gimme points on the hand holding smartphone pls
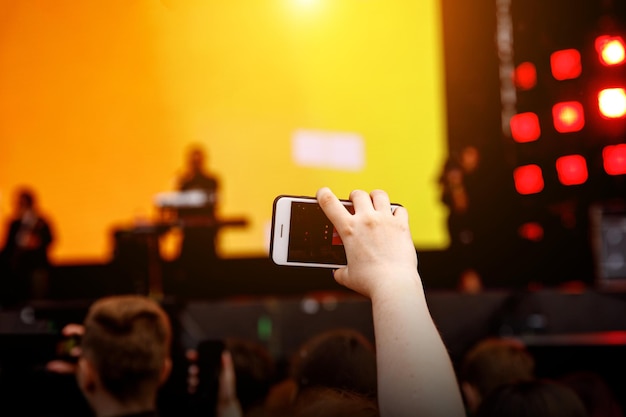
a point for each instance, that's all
(302, 235)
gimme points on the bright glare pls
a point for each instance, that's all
(611, 50)
(306, 4)
(612, 102)
(568, 116)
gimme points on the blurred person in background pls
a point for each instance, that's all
(253, 374)
(334, 361)
(594, 391)
(491, 363)
(123, 358)
(198, 248)
(537, 398)
(24, 257)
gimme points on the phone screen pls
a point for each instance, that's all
(312, 237)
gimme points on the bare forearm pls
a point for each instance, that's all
(415, 375)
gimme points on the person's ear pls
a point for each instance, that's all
(86, 376)
(165, 372)
(472, 396)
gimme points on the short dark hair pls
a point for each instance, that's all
(127, 338)
(332, 402)
(27, 196)
(537, 398)
(343, 359)
(497, 361)
(255, 371)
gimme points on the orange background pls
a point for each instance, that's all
(99, 101)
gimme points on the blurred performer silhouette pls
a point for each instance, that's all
(198, 250)
(24, 256)
(474, 188)
(455, 196)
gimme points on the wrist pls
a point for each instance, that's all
(401, 284)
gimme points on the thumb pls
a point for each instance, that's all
(227, 385)
(341, 276)
(227, 402)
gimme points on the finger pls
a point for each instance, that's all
(340, 275)
(227, 403)
(193, 370)
(61, 367)
(381, 201)
(76, 351)
(331, 206)
(192, 383)
(361, 200)
(73, 329)
(191, 355)
(401, 213)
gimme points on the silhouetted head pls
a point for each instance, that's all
(25, 200)
(196, 159)
(536, 398)
(470, 157)
(254, 369)
(341, 359)
(125, 349)
(595, 393)
(330, 402)
(493, 362)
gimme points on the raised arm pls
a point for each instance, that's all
(415, 373)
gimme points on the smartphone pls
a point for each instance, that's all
(209, 367)
(302, 235)
(66, 348)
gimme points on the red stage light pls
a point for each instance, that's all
(532, 231)
(572, 169)
(525, 127)
(612, 103)
(614, 157)
(525, 76)
(528, 179)
(565, 64)
(611, 50)
(568, 116)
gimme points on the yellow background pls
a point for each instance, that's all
(100, 99)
